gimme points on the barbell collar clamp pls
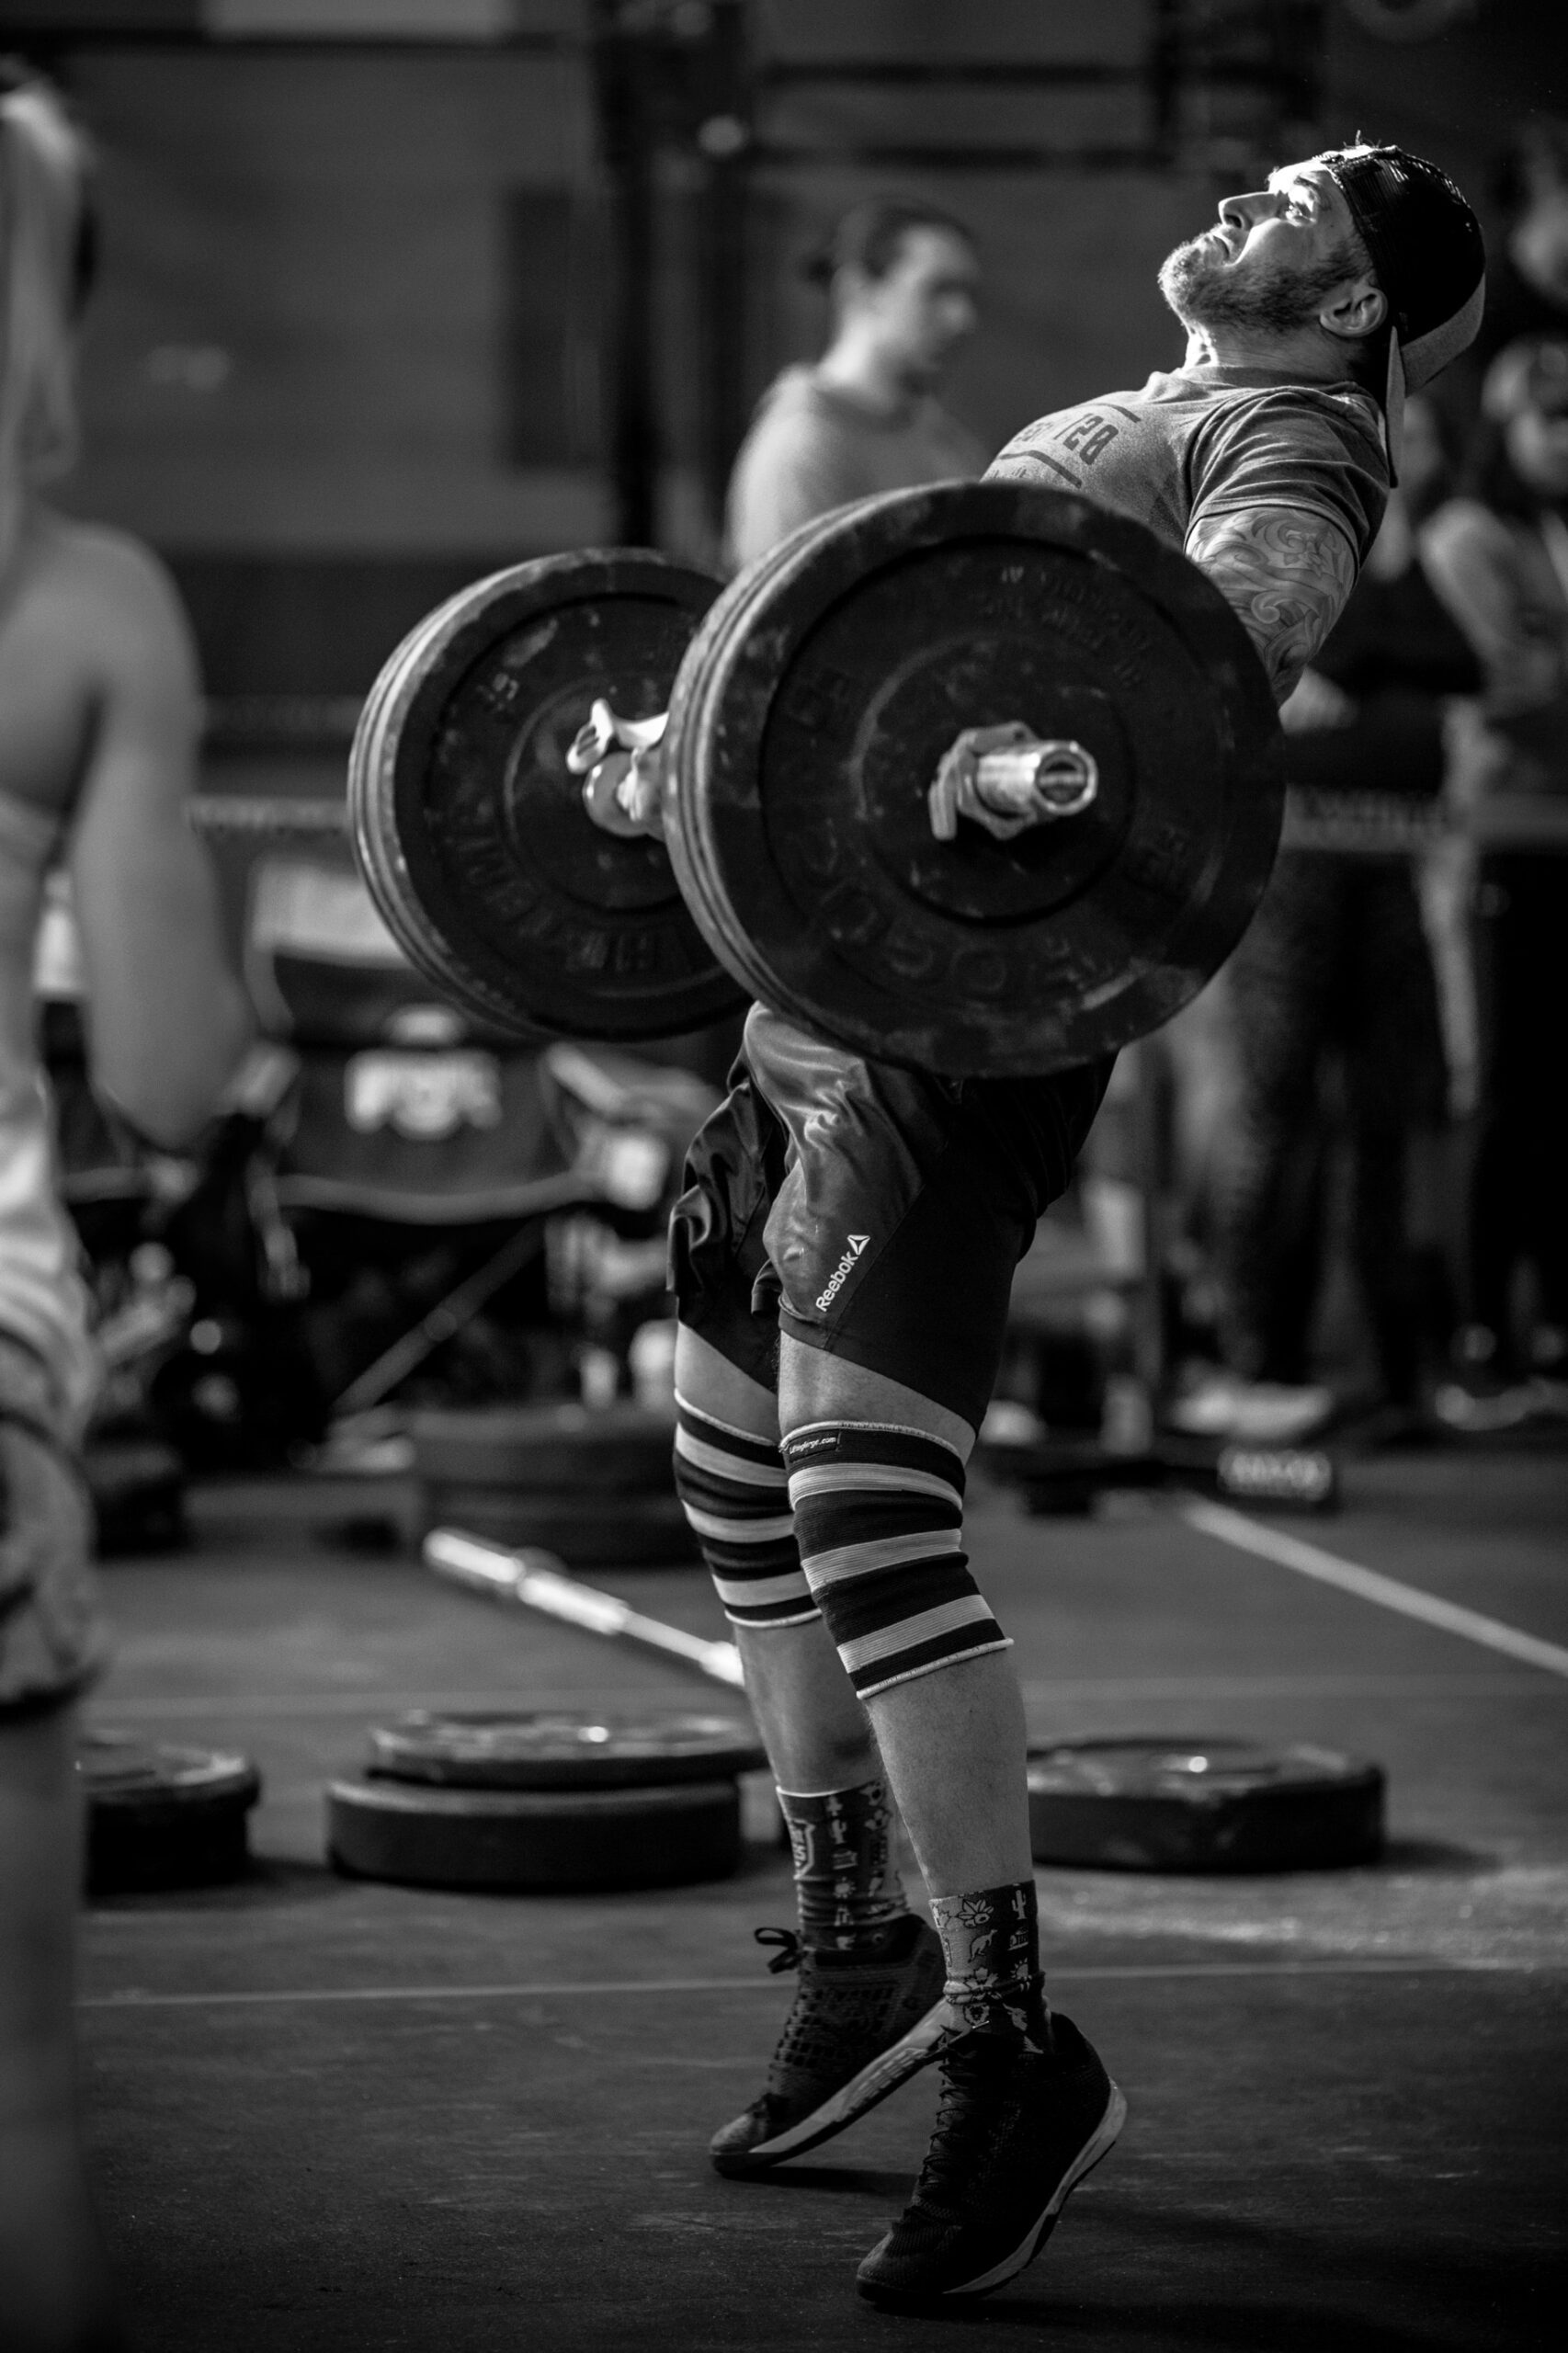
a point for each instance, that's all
(1044, 780)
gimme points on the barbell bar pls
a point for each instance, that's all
(268, 816)
(1379, 824)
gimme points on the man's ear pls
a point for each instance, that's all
(1358, 311)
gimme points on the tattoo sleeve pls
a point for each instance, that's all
(1286, 572)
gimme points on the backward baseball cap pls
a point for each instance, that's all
(1427, 254)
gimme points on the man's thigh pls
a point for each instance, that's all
(725, 1291)
(905, 1204)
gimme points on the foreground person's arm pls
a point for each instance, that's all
(168, 1019)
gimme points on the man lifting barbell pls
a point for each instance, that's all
(844, 1251)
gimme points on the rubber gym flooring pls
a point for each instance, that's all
(334, 2115)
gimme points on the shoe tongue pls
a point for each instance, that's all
(984, 2054)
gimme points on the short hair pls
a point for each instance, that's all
(870, 238)
(47, 250)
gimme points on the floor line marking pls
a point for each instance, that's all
(1088, 1975)
(377, 1705)
(1370, 1584)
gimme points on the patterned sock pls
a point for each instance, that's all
(846, 1882)
(991, 1940)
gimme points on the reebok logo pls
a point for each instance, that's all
(857, 1243)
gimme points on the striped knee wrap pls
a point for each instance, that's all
(878, 1518)
(733, 1487)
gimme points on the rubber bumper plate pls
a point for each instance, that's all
(1187, 1804)
(560, 1750)
(164, 1818)
(526, 1840)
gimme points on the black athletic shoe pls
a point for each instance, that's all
(1016, 2131)
(858, 2028)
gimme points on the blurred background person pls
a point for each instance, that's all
(1333, 1011)
(1499, 555)
(98, 720)
(1527, 286)
(903, 280)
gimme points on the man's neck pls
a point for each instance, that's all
(1303, 353)
(864, 374)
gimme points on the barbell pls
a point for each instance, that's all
(1345, 824)
(810, 704)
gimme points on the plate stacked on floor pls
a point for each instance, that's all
(545, 1799)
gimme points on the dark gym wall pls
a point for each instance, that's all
(310, 323)
(346, 344)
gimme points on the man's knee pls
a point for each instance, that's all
(733, 1489)
(879, 1520)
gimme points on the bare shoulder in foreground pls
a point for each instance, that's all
(93, 645)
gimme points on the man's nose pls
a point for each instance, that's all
(1241, 211)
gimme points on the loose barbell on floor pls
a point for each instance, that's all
(528, 1578)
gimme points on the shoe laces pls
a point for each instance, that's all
(789, 1954)
(973, 2109)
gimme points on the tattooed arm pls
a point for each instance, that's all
(1286, 572)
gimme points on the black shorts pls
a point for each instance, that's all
(873, 1213)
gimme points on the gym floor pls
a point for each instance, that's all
(330, 2114)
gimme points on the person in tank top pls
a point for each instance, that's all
(98, 718)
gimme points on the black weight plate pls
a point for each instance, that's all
(471, 831)
(607, 1450)
(1187, 1804)
(161, 1816)
(586, 1531)
(808, 721)
(534, 1839)
(560, 1749)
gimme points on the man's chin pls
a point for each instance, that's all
(1187, 282)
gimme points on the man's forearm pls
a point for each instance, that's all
(1286, 574)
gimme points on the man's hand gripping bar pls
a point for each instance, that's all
(1005, 779)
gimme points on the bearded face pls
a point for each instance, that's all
(1206, 288)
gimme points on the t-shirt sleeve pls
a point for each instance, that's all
(787, 471)
(1318, 452)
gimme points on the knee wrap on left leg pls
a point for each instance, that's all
(879, 1518)
(731, 1488)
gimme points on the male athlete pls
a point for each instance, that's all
(844, 1252)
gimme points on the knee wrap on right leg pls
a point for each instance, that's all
(879, 1516)
(734, 1493)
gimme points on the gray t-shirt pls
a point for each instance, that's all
(1215, 440)
(811, 447)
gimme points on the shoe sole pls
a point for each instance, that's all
(877, 2081)
(1095, 2148)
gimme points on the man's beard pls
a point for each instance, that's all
(1206, 292)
